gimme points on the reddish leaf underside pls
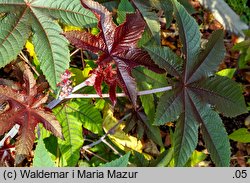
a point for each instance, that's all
(24, 107)
(117, 45)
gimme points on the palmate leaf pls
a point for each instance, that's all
(215, 137)
(16, 32)
(24, 107)
(195, 91)
(38, 17)
(117, 45)
(223, 93)
(189, 35)
(72, 132)
(169, 108)
(72, 116)
(204, 66)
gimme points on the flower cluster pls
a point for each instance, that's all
(65, 84)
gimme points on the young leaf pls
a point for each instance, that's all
(117, 44)
(38, 17)
(25, 107)
(41, 156)
(121, 162)
(195, 91)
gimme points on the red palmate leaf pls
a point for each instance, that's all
(25, 107)
(117, 45)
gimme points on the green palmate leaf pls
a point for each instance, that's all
(124, 8)
(224, 94)
(169, 108)
(73, 115)
(52, 51)
(24, 17)
(215, 137)
(13, 35)
(189, 34)
(197, 92)
(72, 131)
(186, 134)
(89, 116)
(240, 135)
(151, 19)
(166, 59)
(210, 58)
(41, 156)
(213, 131)
(68, 12)
(121, 162)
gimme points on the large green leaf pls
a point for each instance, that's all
(210, 58)
(23, 18)
(89, 116)
(13, 35)
(41, 156)
(196, 92)
(169, 108)
(120, 162)
(189, 35)
(223, 93)
(69, 12)
(186, 133)
(215, 137)
(52, 51)
(72, 132)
